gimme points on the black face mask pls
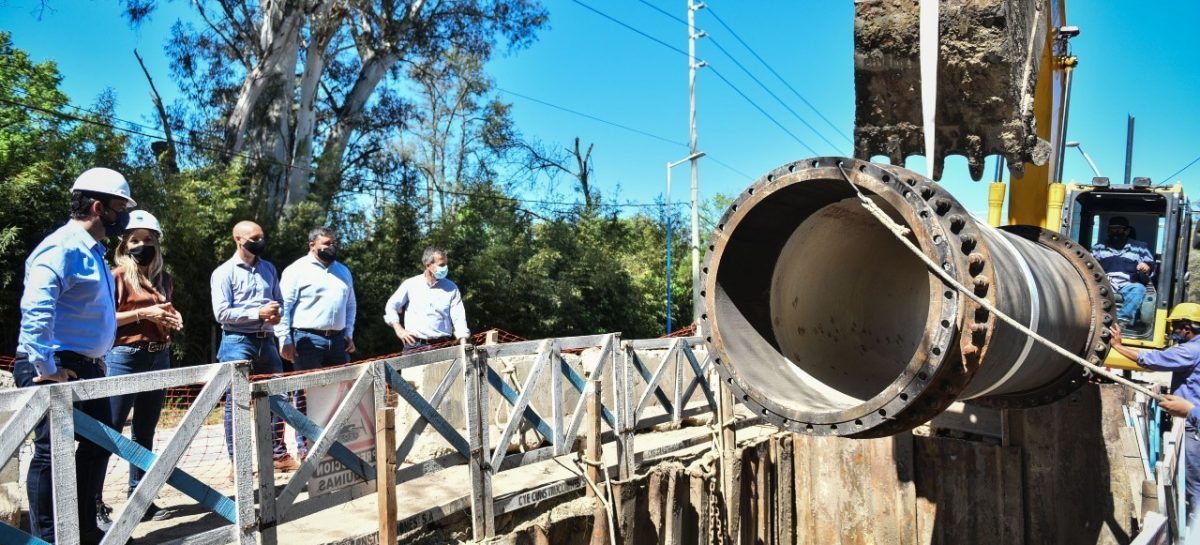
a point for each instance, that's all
(117, 227)
(144, 254)
(327, 254)
(255, 247)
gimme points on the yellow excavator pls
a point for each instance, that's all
(1004, 75)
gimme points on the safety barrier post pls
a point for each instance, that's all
(475, 399)
(623, 394)
(385, 473)
(243, 459)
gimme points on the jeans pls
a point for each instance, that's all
(1134, 293)
(91, 460)
(314, 352)
(146, 406)
(264, 359)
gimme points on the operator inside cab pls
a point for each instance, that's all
(1129, 264)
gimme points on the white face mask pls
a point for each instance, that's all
(441, 272)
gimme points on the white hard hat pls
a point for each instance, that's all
(104, 180)
(141, 219)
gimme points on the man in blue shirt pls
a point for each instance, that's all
(68, 323)
(430, 304)
(316, 326)
(1127, 262)
(1182, 360)
(246, 302)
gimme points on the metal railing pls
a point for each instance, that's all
(679, 386)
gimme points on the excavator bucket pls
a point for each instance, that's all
(990, 52)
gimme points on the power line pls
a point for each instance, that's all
(664, 12)
(772, 93)
(251, 160)
(776, 74)
(1180, 171)
(592, 117)
(647, 36)
(625, 127)
(714, 71)
(760, 110)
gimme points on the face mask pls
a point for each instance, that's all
(255, 247)
(144, 254)
(327, 254)
(441, 272)
(1177, 338)
(117, 227)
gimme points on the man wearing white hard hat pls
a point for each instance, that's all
(68, 323)
(145, 320)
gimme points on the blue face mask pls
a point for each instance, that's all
(1177, 338)
(441, 272)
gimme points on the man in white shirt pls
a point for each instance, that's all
(316, 322)
(427, 308)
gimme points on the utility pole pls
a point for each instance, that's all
(697, 301)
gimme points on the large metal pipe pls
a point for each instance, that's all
(823, 322)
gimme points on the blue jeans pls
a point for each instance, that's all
(91, 460)
(1134, 293)
(264, 359)
(146, 406)
(314, 352)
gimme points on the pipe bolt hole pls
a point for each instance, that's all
(922, 376)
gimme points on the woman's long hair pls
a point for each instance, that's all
(133, 273)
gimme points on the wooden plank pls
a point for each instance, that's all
(435, 402)
(475, 400)
(663, 344)
(13, 536)
(852, 464)
(677, 386)
(638, 365)
(623, 386)
(904, 501)
(99, 388)
(528, 348)
(326, 439)
(785, 530)
(497, 383)
(698, 380)
(385, 478)
(557, 405)
(428, 357)
(805, 512)
(311, 379)
(243, 458)
(521, 404)
(428, 412)
(62, 453)
(652, 385)
(216, 536)
(22, 423)
(264, 433)
(163, 465)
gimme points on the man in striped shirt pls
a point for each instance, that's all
(1127, 262)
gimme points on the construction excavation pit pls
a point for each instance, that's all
(825, 323)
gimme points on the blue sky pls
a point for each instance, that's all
(1135, 58)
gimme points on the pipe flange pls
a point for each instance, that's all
(927, 385)
(1102, 303)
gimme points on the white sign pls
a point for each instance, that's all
(358, 435)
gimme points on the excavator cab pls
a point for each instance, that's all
(1159, 217)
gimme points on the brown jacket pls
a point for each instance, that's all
(129, 299)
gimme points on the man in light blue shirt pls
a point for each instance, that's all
(68, 323)
(316, 325)
(246, 302)
(427, 308)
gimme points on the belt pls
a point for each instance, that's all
(327, 333)
(82, 358)
(437, 340)
(151, 346)
(253, 334)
